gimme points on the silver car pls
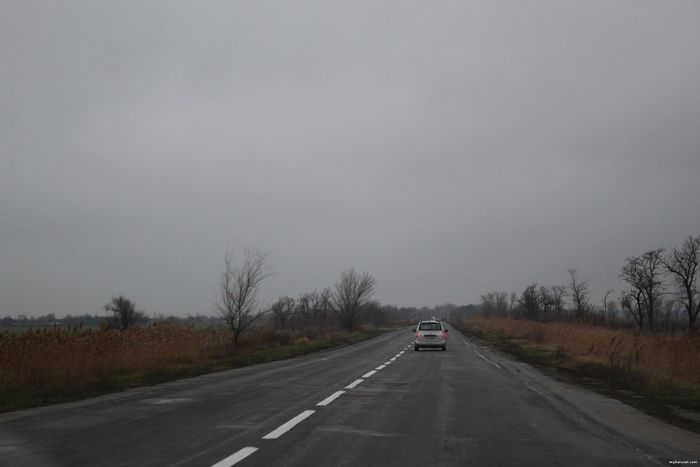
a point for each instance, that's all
(430, 334)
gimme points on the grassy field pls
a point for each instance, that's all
(656, 372)
(46, 366)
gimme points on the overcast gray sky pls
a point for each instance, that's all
(448, 148)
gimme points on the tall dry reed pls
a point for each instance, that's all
(57, 359)
(52, 358)
(671, 355)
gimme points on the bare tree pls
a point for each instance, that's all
(124, 313)
(530, 302)
(238, 291)
(325, 304)
(494, 302)
(319, 306)
(304, 309)
(558, 297)
(632, 303)
(546, 300)
(579, 294)
(352, 292)
(605, 302)
(512, 303)
(642, 274)
(682, 263)
(281, 311)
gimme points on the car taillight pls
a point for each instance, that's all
(417, 334)
(444, 334)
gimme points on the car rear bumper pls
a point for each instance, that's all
(430, 343)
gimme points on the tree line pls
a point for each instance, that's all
(661, 290)
(347, 304)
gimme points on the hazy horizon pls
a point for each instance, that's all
(449, 149)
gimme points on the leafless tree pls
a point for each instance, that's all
(558, 297)
(494, 303)
(320, 305)
(579, 294)
(642, 274)
(324, 305)
(632, 303)
(124, 313)
(546, 300)
(682, 263)
(238, 291)
(352, 292)
(304, 309)
(530, 302)
(281, 311)
(512, 303)
(605, 302)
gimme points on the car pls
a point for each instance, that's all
(430, 334)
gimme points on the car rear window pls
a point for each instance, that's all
(429, 327)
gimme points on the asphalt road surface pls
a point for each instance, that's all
(373, 403)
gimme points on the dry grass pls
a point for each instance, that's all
(673, 356)
(55, 358)
(60, 360)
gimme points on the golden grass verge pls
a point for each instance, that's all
(47, 360)
(673, 356)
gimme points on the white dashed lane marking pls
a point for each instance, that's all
(354, 384)
(236, 457)
(282, 429)
(285, 427)
(331, 398)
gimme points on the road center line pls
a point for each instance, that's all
(392, 359)
(354, 384)
(387, 363)
(397, 355)
(236, 457)
(368, 374)
(380, 367)
(331, 398)
(282, 429)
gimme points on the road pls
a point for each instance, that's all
(373, 403)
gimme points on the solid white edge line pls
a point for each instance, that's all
(330, 398)
(368, 374)
(480, 355)
(533, 389)
(236, 457)
(354, 384)
(380, 367)
(285, 427)
(491, 362)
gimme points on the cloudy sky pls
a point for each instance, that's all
(449, 148)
